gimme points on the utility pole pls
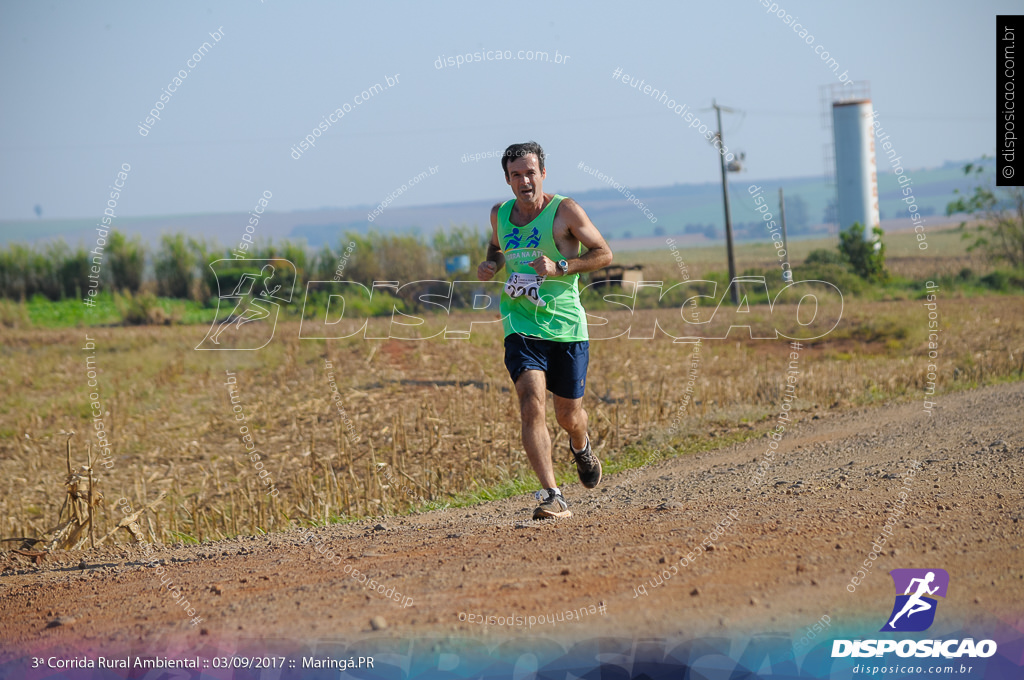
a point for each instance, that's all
(725, 198)
(787, 274)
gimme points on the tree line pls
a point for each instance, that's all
(178, 266)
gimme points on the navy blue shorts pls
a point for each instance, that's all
(564, 363)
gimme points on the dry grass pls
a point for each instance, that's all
(946, 255)
(434, 418)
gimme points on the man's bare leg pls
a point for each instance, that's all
(572, 418)
(531, 388)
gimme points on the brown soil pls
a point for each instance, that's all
(799, 537)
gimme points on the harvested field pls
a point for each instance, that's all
(423, 423)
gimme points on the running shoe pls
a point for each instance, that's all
(587, 465)
(552, 505)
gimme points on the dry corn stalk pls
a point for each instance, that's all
(81, 497)
(130, 522)
(71, 533)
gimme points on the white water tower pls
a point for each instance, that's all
(856, 174)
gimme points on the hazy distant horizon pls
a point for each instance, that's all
(684, 208)
(82, 80)
(734, 179)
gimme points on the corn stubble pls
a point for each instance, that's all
(435, 419)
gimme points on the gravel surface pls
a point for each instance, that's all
(784, 548)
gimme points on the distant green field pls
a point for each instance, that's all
(43, 313)
(946, 259)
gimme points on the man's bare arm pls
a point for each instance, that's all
(495, 258)
(598, 254)
(495, 255)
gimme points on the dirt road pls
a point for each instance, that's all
(784, 555)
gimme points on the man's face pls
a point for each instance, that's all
(525, 177)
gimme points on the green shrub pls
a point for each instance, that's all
(462, 240)
(140, 310)
(825, 256)
(13, 314)
(74, 273)
(866, 257)
(997, 280)
(127, 261)
(229, 279)
(175, 266)
(356, 307)
(839, 276)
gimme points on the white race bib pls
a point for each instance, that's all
(519, 285)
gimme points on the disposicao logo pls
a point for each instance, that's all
(914, 611)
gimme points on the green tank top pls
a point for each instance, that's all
(561, 316)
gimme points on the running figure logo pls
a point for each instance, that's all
(513, 239)
(534, 239)
(914, 610)
(255, 295)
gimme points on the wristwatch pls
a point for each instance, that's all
(563, 266)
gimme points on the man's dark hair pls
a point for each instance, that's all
(518, 151)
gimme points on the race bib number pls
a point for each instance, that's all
(519, 285)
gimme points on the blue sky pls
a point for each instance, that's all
(79, 77)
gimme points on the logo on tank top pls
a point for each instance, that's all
(534, 239)
(514, 239)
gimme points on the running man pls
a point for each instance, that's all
(915, 604)
(546, 341)
(254, 309)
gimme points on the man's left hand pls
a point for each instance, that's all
(544, 266)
